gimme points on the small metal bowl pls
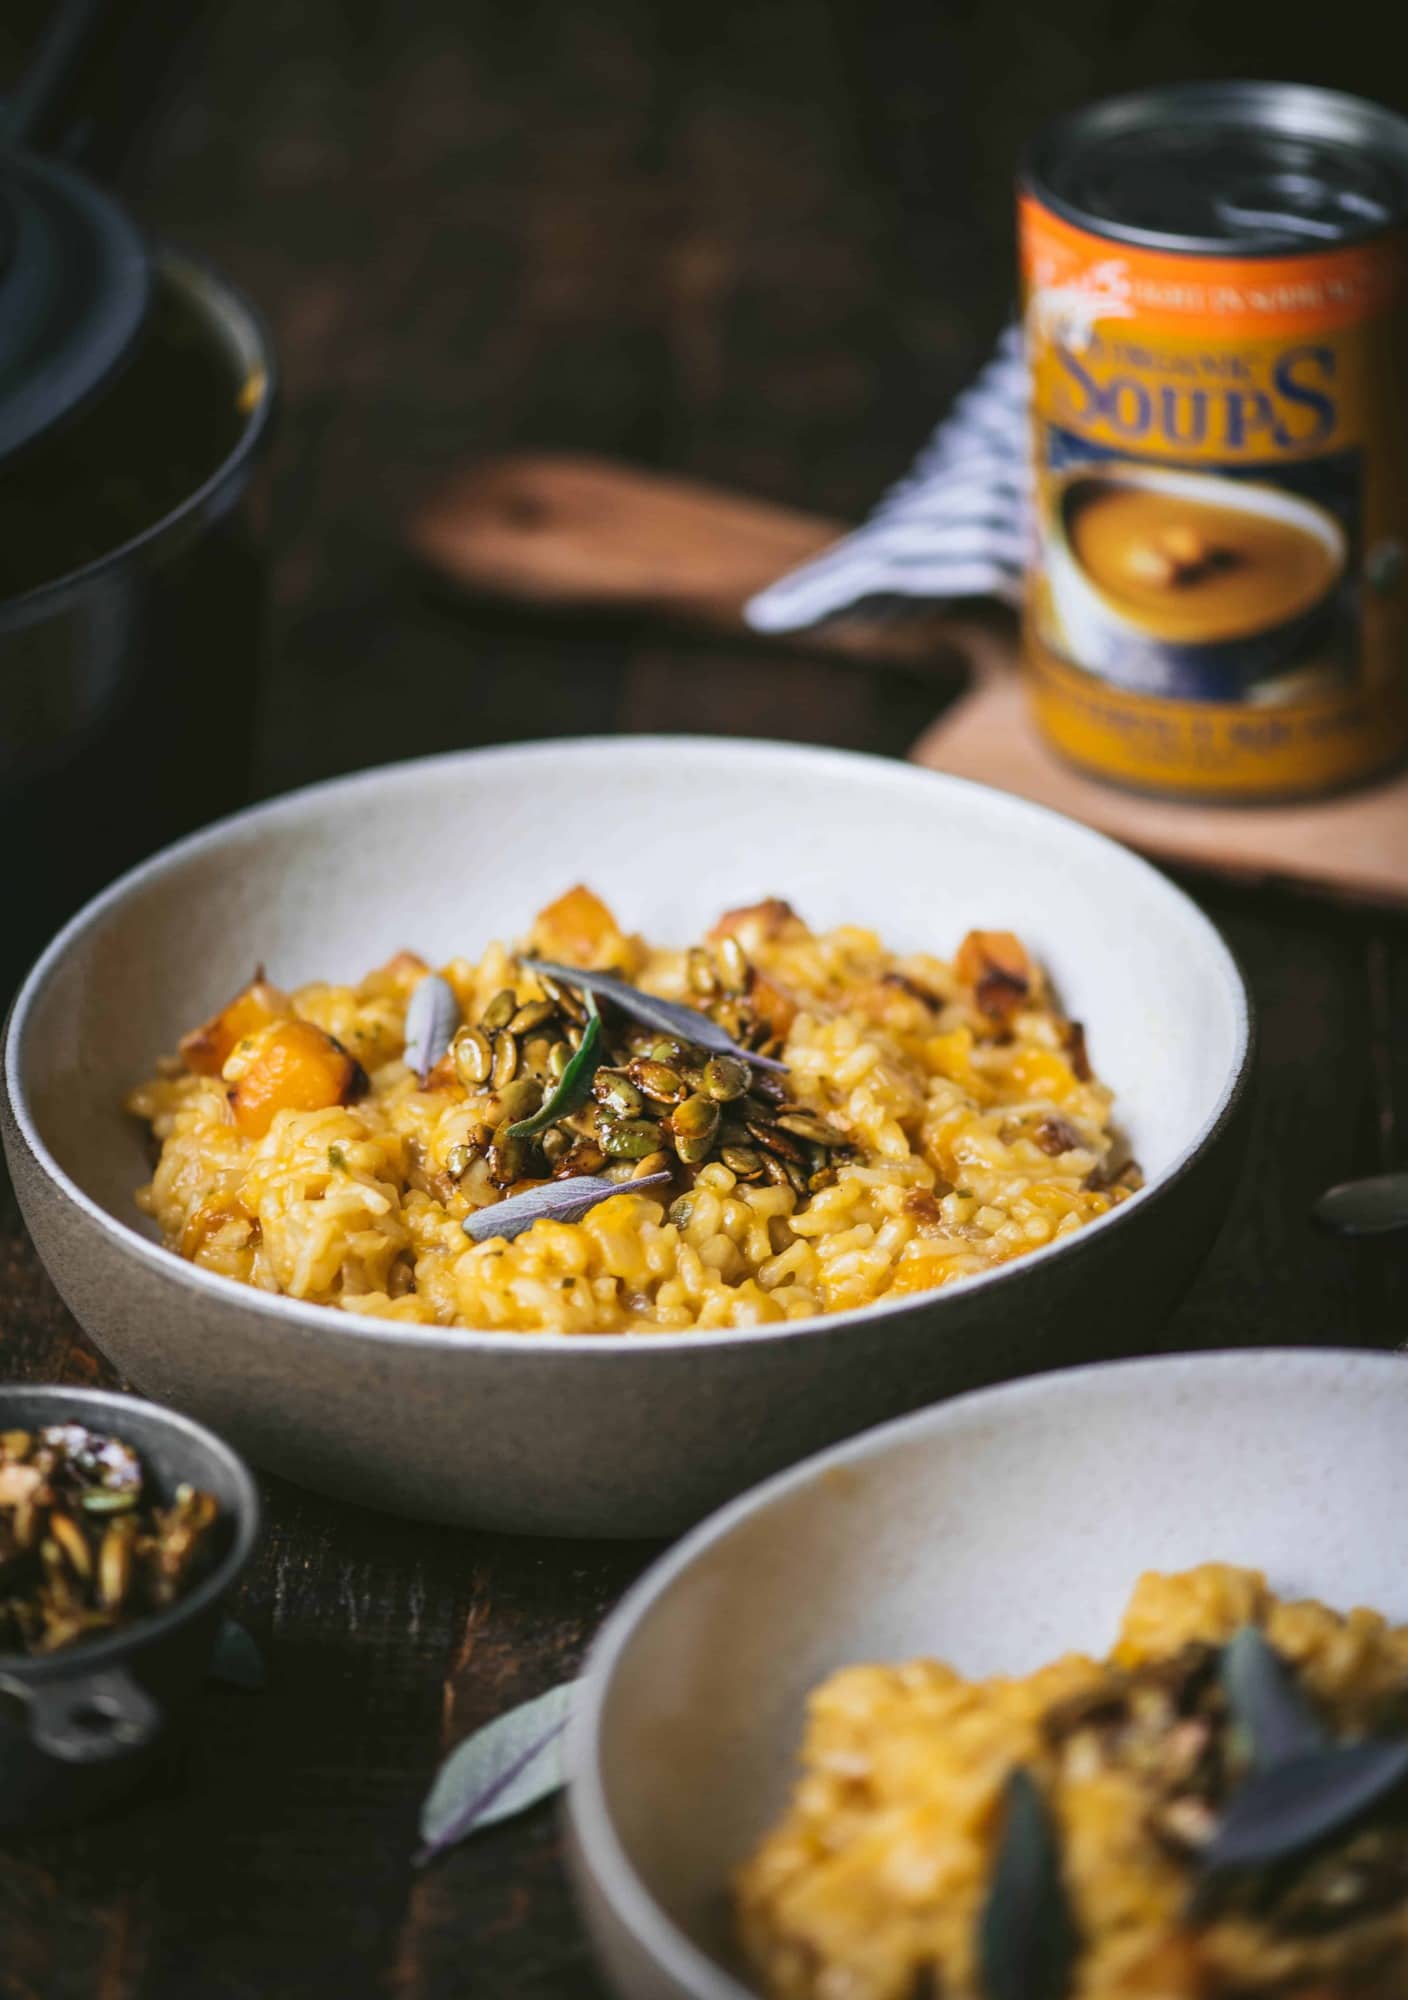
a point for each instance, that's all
(81, 1726)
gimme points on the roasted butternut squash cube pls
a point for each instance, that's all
(995, 965)
(772, 1003)
(578, 929)
(289, 1066)
(757, 922)
(207, 1049)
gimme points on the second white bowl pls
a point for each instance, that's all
(995, 1533)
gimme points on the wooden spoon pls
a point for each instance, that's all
(570, 533)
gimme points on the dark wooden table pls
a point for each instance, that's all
(762, 244)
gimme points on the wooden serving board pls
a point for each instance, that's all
(586, 534)
(1354, 845)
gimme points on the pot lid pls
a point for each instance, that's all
(75, 282)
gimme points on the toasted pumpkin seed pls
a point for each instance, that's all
(505, 1063)
(500, 1011)
(506, 1159)
(585, 1157)
(562, 997)
(618, 1094)
(776, 1170)
(559, 1055)
(800, 1177)
(459, 1159)
(532, 1014)
(667, 1050)
(629, 1138)
(777, 1141)
(742, 1161)
(520, 1099)
(726, 1078)
(702, 978)
(656, 1079)
(472, 1056)
(804, 1126)
(696, 1118)
(74, 1543)
(734, 969)
(555, 1142)
(653, 1163)
(681, 1212)
(115, 1565)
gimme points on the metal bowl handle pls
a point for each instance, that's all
(93, 1718)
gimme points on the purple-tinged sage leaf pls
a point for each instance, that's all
(1266, 1701)
(431, 1021)
(1026, 1935)
(500, 1770)
(1303, 1800)
(236, 1660)
(670, 1017)
(555, 1201)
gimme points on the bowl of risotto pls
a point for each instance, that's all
(562, 1137)
(1090, 1687)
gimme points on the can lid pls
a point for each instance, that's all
(1232, 169)
(75, 285)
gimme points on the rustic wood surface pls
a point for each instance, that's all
(762, 245)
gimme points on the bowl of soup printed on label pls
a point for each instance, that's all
(1194, 586)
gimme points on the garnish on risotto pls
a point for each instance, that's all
(770, 1124)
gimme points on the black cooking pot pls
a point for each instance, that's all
(136, 391)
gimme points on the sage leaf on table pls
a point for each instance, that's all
(574, 1086)
(1303, 1800)
(1266, 1701)
(566, 1200)
(1026, 1935)
(500, 1770)
(671, 1017)
(236, 1660)
(431, 1021)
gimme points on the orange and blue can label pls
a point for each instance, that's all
(1218, 600)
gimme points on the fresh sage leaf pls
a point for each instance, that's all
(555, 1201)
(1026, 1934)
(236, 1659)
(431, 1021)
(669, 1016)
(1295, 1804)
(1267, 1702)
(502, 1769)
(574, 1086)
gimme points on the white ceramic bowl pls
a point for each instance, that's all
(994, 1532)
(608, 1434)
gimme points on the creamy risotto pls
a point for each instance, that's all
(831, 1124)
(1176, 1822)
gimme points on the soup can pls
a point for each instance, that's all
(1215, 304)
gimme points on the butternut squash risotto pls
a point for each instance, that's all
(1215, 1812)
(814, 1122)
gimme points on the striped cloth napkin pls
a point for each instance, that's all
(957, 525)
